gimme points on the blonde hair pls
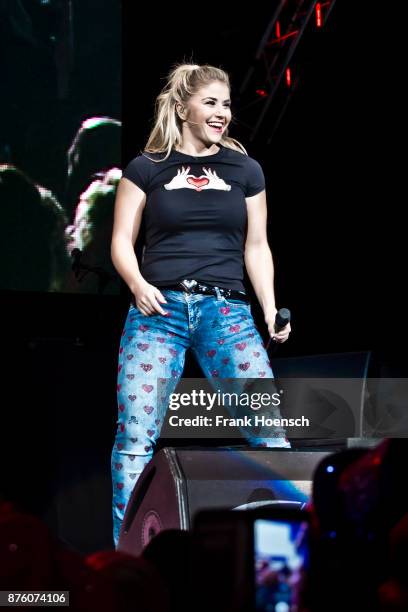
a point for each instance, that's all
(183, 81)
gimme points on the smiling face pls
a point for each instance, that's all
(207, 115)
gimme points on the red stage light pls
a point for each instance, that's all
(319, 21)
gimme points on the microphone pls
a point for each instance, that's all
(76, 255)
(282, 318)
(194, 122)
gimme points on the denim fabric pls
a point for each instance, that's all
(222, 334)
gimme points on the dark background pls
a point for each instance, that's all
(334, 232)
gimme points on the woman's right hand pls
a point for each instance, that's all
(148, 299)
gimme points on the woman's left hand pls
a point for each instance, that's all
(280, 336)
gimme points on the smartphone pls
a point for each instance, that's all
(281, 560)
(257, 560)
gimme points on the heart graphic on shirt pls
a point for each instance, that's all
(148, 409)
(147, 388)
(197, 182)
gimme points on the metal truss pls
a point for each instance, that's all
(264, 94)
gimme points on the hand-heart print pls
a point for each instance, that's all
(198, 182)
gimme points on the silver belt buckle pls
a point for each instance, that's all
(188, 285)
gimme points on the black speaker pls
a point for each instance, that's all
(334, 401)
(177, 483)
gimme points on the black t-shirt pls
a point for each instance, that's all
(195, 215)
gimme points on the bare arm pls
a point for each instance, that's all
(259, 262)
(129, 206)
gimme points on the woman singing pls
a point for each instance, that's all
(203, 202)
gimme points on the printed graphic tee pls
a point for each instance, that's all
(195, 215)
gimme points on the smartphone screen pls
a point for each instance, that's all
(281, 560)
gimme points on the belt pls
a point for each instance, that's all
(193, 286)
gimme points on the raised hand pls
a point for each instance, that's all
(180, 180)
(214, 182)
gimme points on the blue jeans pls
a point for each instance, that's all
(222, 334)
